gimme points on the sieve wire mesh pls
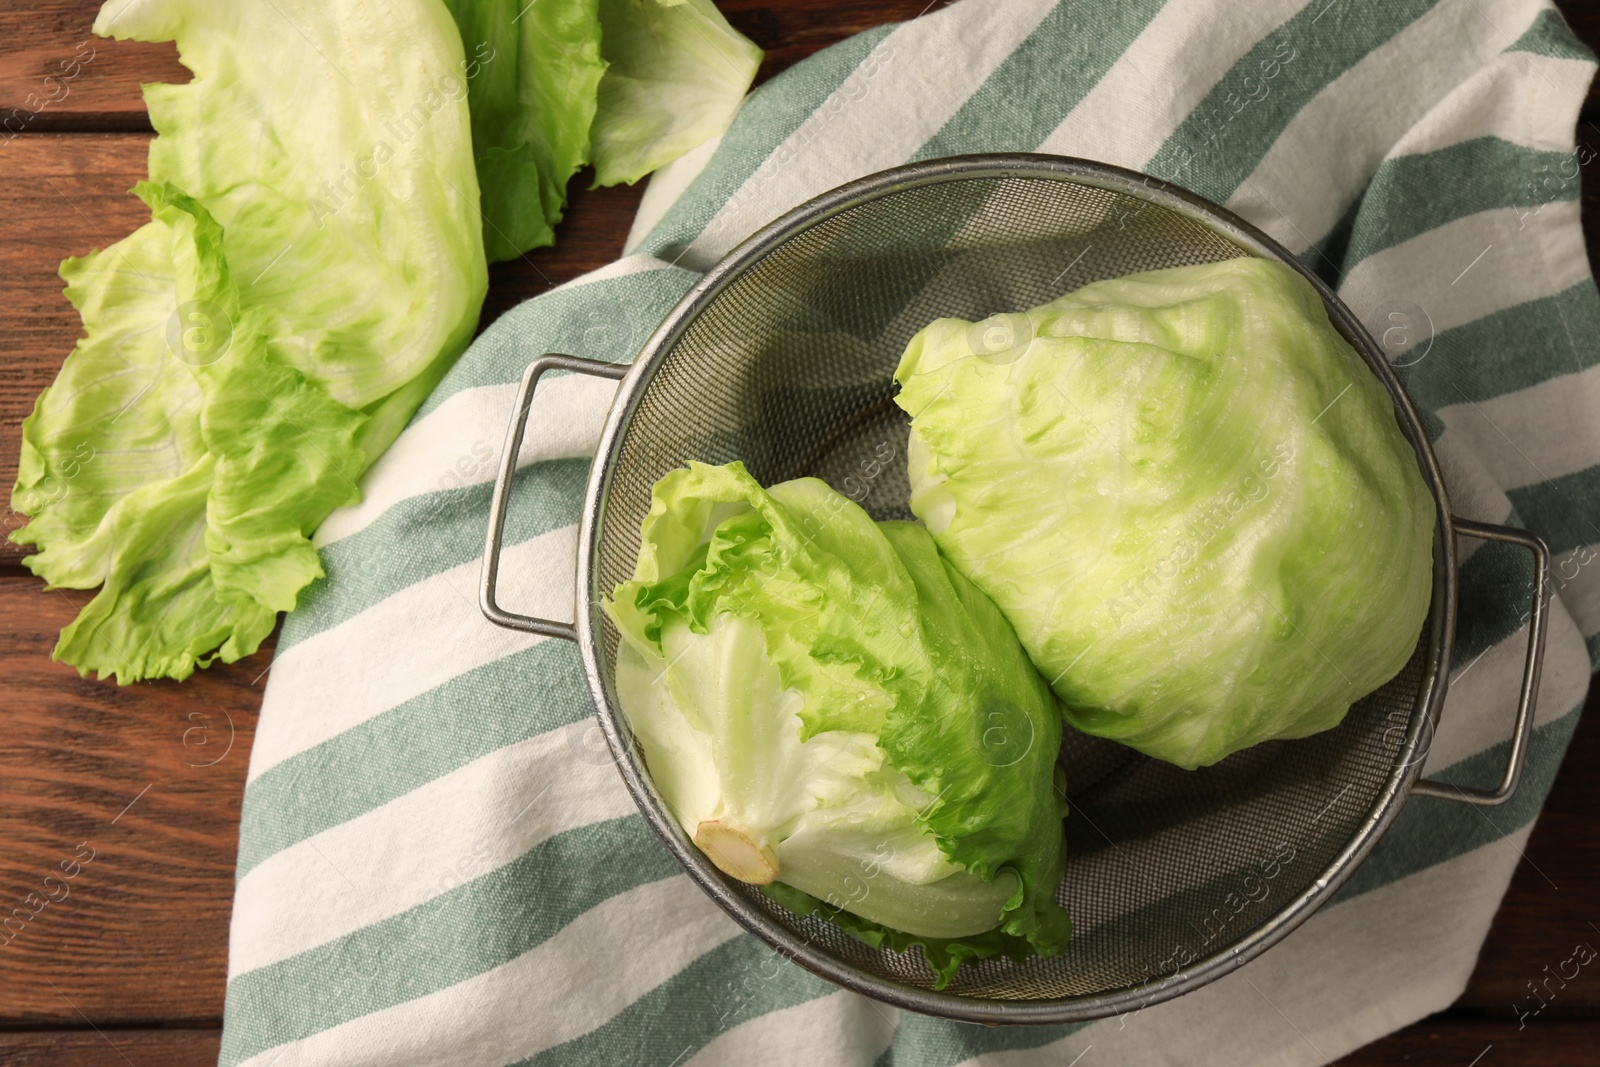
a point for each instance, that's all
(789, 367)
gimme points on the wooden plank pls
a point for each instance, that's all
(1450, 1041)
(1584, 18)
(112, 1048)
(123, 805)
(791, 32)
(1550, 905)
(56, 75)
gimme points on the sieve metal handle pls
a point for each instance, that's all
(1522, 729)
(502, 491)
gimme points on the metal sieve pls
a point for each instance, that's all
(782, 355)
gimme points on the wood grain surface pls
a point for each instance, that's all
(134, 792)
(145, 782)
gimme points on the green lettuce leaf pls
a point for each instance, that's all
(825, 703)
(534, 75)
(629, 85)
(677, 74)
(312, 266)
(945, 955)
(182, 472)
(1189, 496)
(332, 142)
(94, 437)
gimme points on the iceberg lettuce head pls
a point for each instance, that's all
(1187, 493)
(834, 714)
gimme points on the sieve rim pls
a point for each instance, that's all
(588, 614)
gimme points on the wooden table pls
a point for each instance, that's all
(129, 968)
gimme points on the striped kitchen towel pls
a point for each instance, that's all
(439, 865)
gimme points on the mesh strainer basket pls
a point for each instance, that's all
(782, 357)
